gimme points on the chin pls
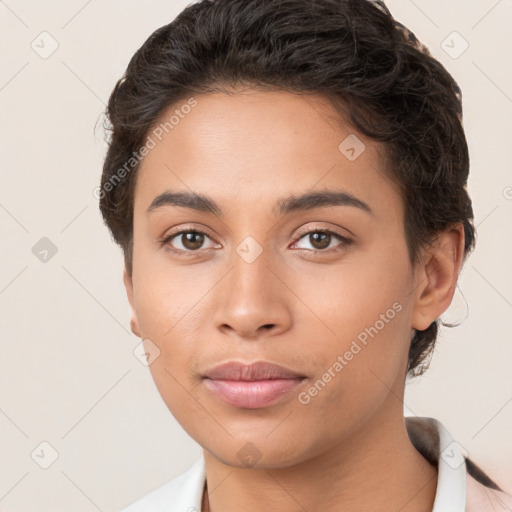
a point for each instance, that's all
(256, 453)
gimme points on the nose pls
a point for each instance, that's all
(252, 301)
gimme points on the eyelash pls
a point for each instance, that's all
(345, 241)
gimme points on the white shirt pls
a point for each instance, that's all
(456, 490)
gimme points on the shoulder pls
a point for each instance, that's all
(460, 480)
(183, 493)
(481, 498)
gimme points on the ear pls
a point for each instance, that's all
(436, 277)
(128, 284)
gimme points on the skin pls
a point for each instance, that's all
(348, 448)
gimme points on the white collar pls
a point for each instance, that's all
(433, 441)
(184, 493)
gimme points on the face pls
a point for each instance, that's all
(321, 286)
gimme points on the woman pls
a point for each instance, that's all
(287, 180)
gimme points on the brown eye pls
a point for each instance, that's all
(187, 241)
(320, 240)
(192, 240)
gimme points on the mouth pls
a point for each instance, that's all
(251, 386)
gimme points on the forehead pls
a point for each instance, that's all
(251, 147)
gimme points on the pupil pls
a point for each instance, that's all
(326, 239)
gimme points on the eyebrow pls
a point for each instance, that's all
(293, 203)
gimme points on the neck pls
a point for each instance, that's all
(378, 468)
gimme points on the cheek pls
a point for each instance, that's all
(364, 324)
(166, 295)
(168, 304)
(181, 396)
(354, 376)
(364, 297)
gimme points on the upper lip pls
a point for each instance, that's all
(259, 370)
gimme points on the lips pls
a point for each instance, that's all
(260, 370)
(251, 386)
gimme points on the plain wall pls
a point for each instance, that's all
(67, 372)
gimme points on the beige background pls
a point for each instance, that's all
(67, 372)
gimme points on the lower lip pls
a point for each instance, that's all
(252, 394)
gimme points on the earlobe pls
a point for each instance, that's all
(437, 277)
(128, 284)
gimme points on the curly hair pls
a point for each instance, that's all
(372, 69)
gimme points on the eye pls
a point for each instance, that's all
(188, 240)
(321, 240)
(193, 240)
